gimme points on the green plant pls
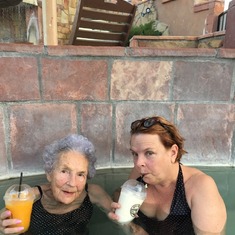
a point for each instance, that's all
(146, 29)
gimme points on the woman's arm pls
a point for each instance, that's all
(208, 210)
(134, 174)
(99, 197)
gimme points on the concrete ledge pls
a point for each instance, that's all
(164, 41)
(212, 40)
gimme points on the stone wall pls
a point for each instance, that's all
(49, 92)
(66, 10)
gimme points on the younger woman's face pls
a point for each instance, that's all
(69, 176)
(151, 158)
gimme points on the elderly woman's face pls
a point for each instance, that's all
(69, 176)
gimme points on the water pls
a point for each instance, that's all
(110, 179)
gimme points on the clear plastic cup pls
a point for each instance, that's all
(20, 204)
(131, 198)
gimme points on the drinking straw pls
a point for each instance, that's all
(21, 177)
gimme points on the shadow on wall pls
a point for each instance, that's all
(9, 3)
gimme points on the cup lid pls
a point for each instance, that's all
(25, 192)
(135, 186)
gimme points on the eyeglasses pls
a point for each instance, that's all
(147, 123)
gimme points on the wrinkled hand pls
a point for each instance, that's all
(112, 214)
(5, 222)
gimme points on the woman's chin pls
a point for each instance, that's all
(66, 201)
(67, 198)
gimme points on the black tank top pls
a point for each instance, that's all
(178, 222)
(71, 223)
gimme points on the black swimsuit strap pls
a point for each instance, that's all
(40, 190)
(86, 187)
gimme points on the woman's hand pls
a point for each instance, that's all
(6, 222)
(111, 214)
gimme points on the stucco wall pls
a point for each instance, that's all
(49, 92)
(189, 17)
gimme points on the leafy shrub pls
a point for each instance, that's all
(146, 29)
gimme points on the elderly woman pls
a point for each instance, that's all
(180, 199)
(64, 205)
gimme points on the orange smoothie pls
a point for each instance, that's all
(20, 205)
(21, 210)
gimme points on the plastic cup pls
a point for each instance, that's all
(20, 204)
(131, 198)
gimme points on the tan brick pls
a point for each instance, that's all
(64, 17)
(73, 3)
(65, 30)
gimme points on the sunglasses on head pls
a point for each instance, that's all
(147, 123)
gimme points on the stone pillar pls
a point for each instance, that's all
(229, 39)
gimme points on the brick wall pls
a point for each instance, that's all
(49, 92)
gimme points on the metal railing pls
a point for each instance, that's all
(222, 21)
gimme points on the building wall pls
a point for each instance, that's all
(49, 92)
(195, 17)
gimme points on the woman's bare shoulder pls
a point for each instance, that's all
(198, 183)
(205, 202)
(193, 175)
